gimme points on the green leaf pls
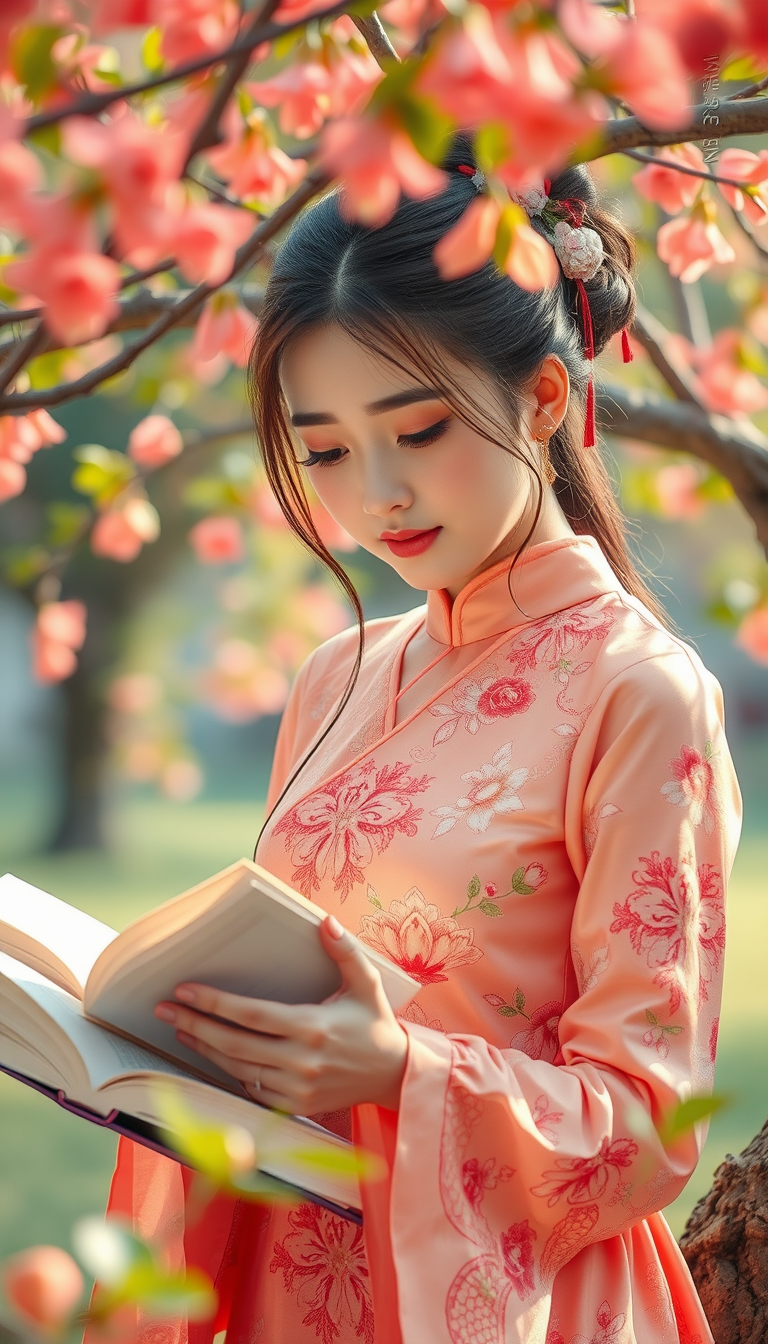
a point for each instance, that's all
(22, 567)
(31, 59)
(651, 1017)
(492, 145)
(427, 126)
(503, 238)
(210, 492)
(508, 1011)
(102, 474)
(47, 138)
(740, 68)
(517, 878)
(473, 887)
(519, 1000)
(488, 908)
(689, 1113)
(65, 522)
(151, 53)
(671, 1031)
(48, 370)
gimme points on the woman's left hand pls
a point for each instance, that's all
(302, 1058)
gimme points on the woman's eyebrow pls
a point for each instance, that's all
(408, 397)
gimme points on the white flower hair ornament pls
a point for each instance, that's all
(580, 252)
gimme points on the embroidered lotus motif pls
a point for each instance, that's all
(492, 792)
(693, 786)
(421, 940)
(334, 833)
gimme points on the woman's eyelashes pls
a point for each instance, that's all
(421, 439)
(425, 436)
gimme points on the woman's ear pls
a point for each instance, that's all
(551, 392)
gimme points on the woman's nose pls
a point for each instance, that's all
(383, 487)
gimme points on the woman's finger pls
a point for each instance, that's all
(247, 1072)
(274, 1019)
(231, 1041)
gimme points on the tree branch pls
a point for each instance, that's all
(735, 448)
(93, 103)
(207, 133)
(190, 305)
(374, 33)
(654, 337)
(743, 118)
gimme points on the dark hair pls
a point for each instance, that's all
(381, 286)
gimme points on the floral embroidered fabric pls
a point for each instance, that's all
(543, 840)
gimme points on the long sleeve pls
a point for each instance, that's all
(508, 1166)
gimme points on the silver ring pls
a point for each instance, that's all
(257, 1081)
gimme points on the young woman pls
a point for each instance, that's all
(519, 790)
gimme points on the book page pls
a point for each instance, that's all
(104, 1055)
(54, 938)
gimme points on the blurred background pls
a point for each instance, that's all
(146, 771)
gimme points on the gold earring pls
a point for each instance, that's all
(549, 470)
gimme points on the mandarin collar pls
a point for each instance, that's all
(548, 577)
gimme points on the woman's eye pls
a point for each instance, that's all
(322, 459)
(425, 436)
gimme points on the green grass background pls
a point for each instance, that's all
(54, 1168)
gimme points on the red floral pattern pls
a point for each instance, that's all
(334, 833)
(539, 1039)
(585, 1179)
(476, 702)
(553, 638)
(322, 1260)
(693, 786)
(675, 917)
(421, 940)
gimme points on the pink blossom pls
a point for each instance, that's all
(120, 533)
(646, 71)
(154, 441)
(752, 634)
(190, 28)
(376, 162)
(702, 30)
(469, 244)
(240, 686)
(77, 288)
(531, 261)
(254, 167)
(318, 611)
(13, 479)
(676, 489)
(288, 11)
(107, 15)
(303, 94)
(470, 68)
(218, 540)
(181, 780)
(134, 693)
(43, 1286)
(691, 244)
(749, 168)
(63, 621)
(754, 34)
(22, 435)
(725, 383)
(265, 507)
(205, 240)
(58, 632)
(672, 190)
(20, 175)
(225, 327)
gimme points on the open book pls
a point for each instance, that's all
(77, 1001)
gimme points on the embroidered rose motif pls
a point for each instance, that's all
(421, 940)
(675, 918)
(323, 1262)
(481, 702)
(478, 1177)
(584, 1179)
(334, 833)
(492, 792)
(539, 1039)
(693, 786)
(554, 637)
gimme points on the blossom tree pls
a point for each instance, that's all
(152, 151)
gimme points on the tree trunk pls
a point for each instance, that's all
(84, 755)
(725, 1243)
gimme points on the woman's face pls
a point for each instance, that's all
(386, 454)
